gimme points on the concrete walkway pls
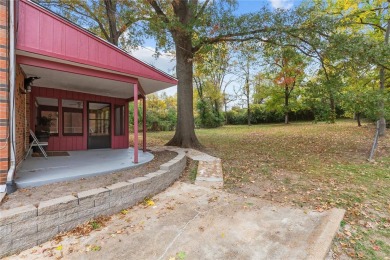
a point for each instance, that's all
(209, 172)
(192, 222)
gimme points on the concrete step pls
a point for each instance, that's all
(210, 174)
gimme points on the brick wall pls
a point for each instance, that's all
(4, 86)
(22, 109)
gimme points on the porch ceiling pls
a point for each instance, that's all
(108, 83)
(79, 83)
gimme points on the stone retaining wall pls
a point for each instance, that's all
(28, 226)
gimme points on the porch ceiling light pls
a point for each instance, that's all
(28, 82)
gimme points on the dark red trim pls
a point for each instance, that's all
(141, 90)
(135, 123)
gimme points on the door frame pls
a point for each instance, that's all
(110, 124)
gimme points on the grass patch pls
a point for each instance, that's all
(94, 225)
(190, 172)
(193, 172)
(314, 166)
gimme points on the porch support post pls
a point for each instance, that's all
(144, 124)
(135, 123)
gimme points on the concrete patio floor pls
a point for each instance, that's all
(193, 222)
(36, 171)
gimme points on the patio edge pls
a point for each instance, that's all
(326, 233)
(28, 226)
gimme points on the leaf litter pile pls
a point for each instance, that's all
(315, 167)
(58, 250)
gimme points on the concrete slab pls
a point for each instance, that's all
(36, 171)
(193, 222)
(210, 174)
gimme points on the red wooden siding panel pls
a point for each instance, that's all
(43, 33)
(103, 50)
(83, 46)
(93, 50)
(30, 37)
(46, 25)
(70, 45)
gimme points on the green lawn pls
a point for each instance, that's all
(314, 166)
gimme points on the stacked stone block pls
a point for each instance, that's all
(28, 226)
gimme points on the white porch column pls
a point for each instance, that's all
(135, 123)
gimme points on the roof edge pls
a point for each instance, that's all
(107, 43)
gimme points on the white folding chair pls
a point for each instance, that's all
(36, 142)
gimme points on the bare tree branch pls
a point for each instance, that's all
(158, 11)
(201, 10)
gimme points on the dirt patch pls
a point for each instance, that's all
(189, 174)
(51, 191)
(270, 185)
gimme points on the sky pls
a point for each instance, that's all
(166, 62)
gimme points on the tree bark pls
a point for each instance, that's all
(185, 127)
(248, 110)
(286, 96)
(358, 118)
(332, 105)
(382, 120)
(112, 22)
(247, 90)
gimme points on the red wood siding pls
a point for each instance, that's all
(41, 32)
(71, 143)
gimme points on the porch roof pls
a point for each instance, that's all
(51, 47)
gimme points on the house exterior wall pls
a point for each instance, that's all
(22, 115)
(72, 143)
(4, 87)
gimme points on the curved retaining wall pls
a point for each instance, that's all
(28, 226)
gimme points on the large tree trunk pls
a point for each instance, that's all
(247, 90)
(248, 110)
(112, 22)
(358, 118)
(185, 127)
(225, 108)
(286, 121)
(332, 106)
(382, 120)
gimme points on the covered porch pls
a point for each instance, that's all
(37, 171)
(73, 90)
